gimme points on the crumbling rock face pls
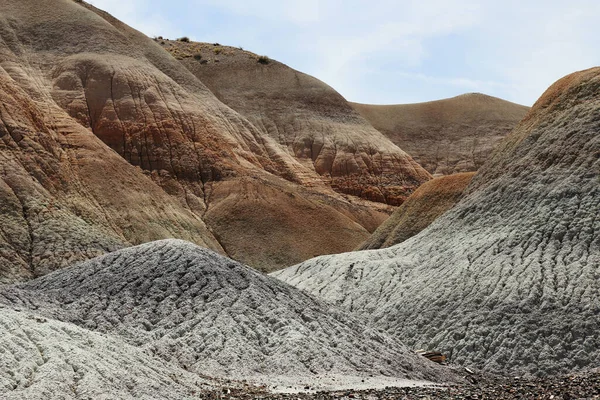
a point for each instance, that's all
(446, 136)
(425, 205)
(507, 280)
(312, 123)
(210, 315)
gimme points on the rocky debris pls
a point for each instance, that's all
(568, 387)
(313, 124)
(505, 281)
(431, 200)
(434, 356)
(208, 314)
(447, 136)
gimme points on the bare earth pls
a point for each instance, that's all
(431, 200)
(107, 141)
(506, 281)
(447, 136)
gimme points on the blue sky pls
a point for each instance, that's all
(392, 52)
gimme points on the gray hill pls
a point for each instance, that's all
(47, 359)
(507, 280)
(208, 314)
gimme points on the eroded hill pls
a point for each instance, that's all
(447, 136)
(431, 200)
(311, 122)
(206, 314)
(107, 141)
(507, 280)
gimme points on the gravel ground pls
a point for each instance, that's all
(568, 387)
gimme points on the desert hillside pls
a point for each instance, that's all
(507, 279)
(178, 220)
(431, 200)
(107, 141)
(309, 120)
(447, 136)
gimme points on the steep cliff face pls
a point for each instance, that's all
(107, 141)
(431, 200)
(331, 144)
(507, 280)
(447, 136)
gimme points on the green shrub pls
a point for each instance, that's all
(184, 39)
(198, 57)
(263, 60)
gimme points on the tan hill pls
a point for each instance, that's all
(507, 280)
(425, 205)
(106, 141)
(311, 122)
(447, 136)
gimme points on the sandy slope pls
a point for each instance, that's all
(431, 200)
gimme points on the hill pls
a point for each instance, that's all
(425, 205)
(107, 141)
(447, 136)
(308, 119)
(210, 315)
(506, 279)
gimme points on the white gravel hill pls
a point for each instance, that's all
(509, 279)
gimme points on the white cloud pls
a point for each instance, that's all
(140, 15)
(511, 49)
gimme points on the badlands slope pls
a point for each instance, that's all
(107, 141)
(48, 359)
(508, 279)
(198, 311)
(308, 119)
(425, 205)
(447, 136)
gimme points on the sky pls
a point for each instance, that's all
(394, 51)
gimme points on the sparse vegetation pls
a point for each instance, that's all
(197, 56)
(263, 60)
(184, 39)
(218, 50)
